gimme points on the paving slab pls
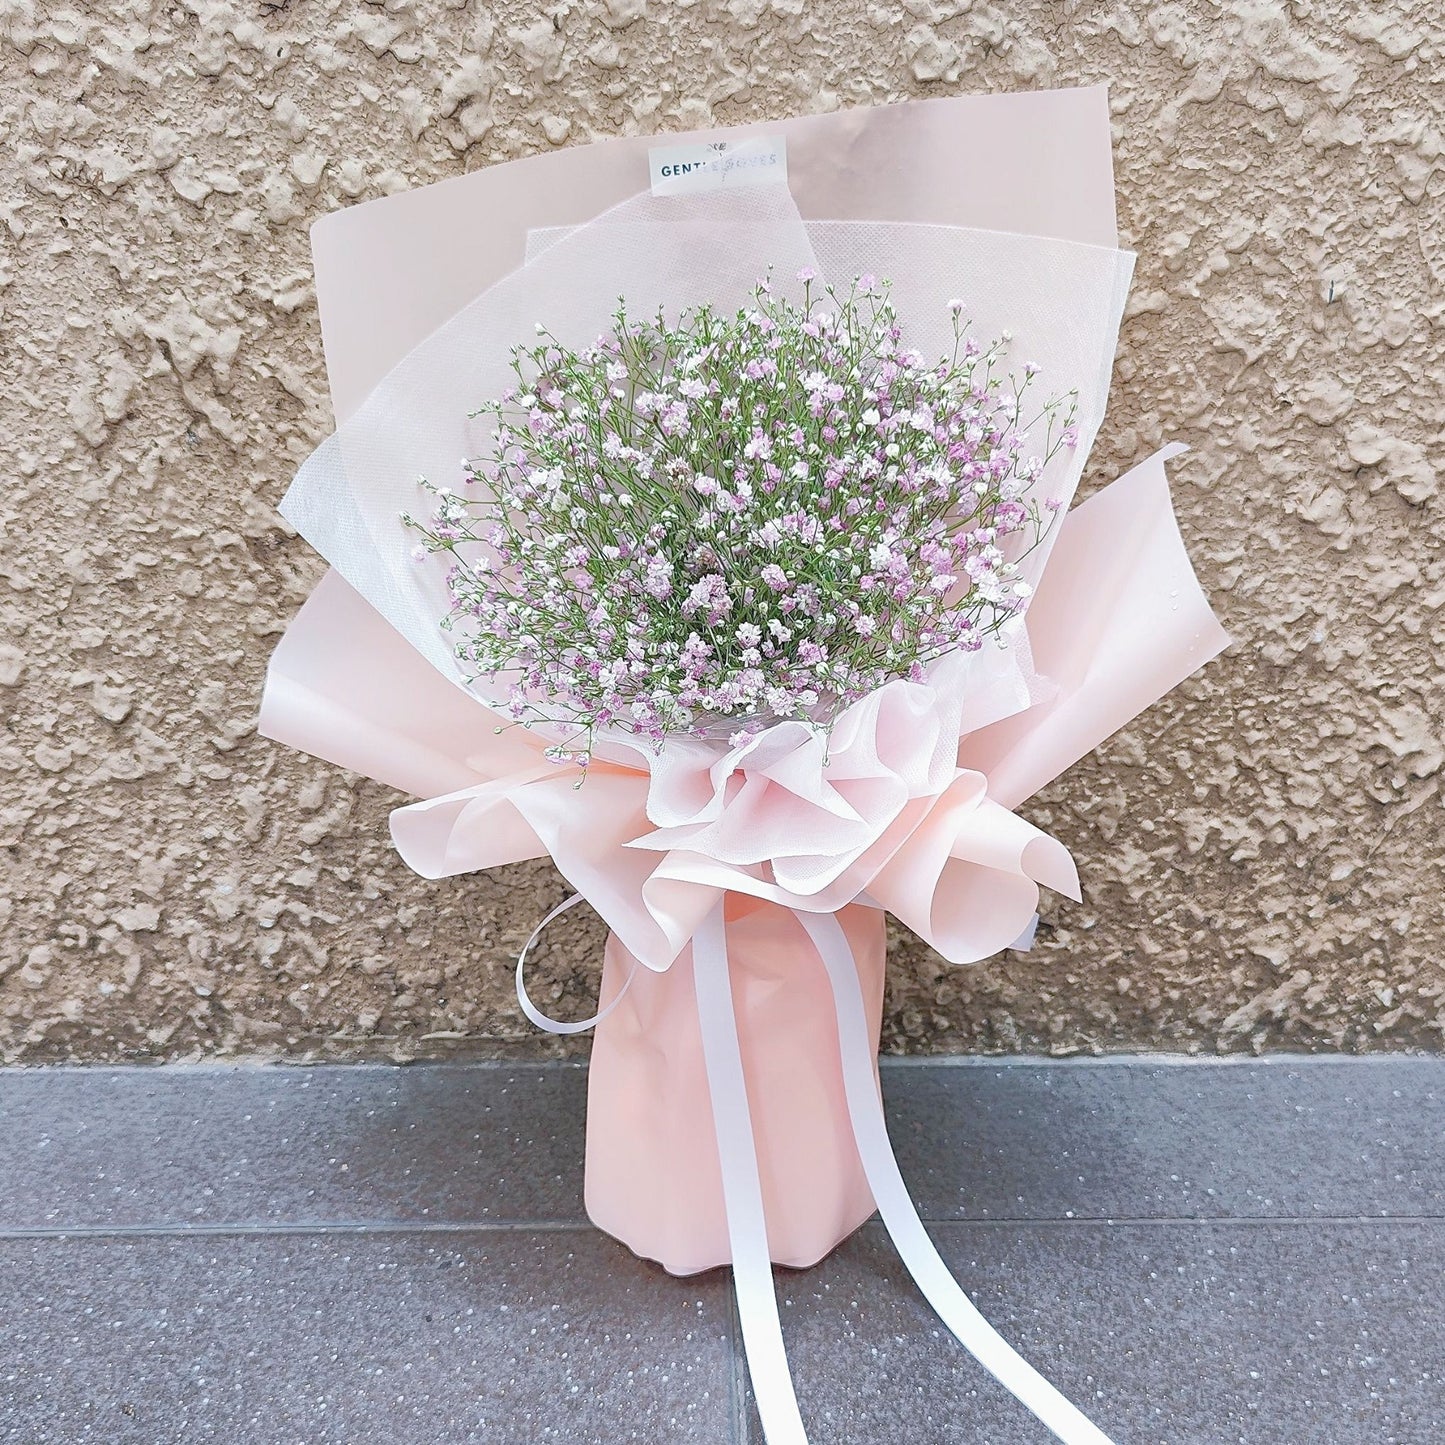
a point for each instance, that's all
(205, 1146)
(1209, 1333)
(1236, 1252)
(1119, 1139)
(466, 1143)
(310, 1339)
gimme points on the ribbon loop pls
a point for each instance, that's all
(545, 1021)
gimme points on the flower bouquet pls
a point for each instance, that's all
(716, 549)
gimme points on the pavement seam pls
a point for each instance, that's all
(554, 1226)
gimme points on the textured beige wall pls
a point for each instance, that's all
(1261, 853)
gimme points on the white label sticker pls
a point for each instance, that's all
(712, 165)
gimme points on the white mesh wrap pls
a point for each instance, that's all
(1062, 302)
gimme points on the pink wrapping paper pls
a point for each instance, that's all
(653, 1178)
(913, 813)
(968, 869)
(389, 272)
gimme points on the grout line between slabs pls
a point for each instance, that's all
(1274, 1061)
(298, 1227)
(582, 1226)
(901, 1062)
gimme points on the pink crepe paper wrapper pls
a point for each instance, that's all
(389, 272)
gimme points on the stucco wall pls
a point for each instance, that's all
(1261, 853)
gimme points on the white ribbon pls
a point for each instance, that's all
(742, 1190)
(772, 1380)
(543, 1021)
(890, 1193)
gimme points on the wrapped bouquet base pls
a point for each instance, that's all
(734, 1109)
(654, 1180)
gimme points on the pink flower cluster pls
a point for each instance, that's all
(709, 525)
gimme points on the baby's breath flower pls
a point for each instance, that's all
(751, 517)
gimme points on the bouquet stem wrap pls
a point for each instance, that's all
(735, 1117)
(654, 1180)
(734, 1111)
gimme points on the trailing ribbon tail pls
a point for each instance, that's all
(742, 1190)
(890, 1193)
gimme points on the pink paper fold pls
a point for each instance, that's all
(345, 686)
(1118, 620)
(389, 272)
